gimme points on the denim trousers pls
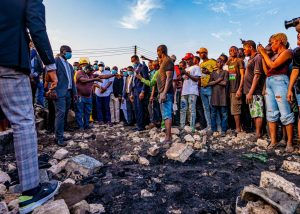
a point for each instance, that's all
(223, 114)
(206, 98)
(188, 103)
(83, 111)
(62, 106)
(278, 108)
(103, 110)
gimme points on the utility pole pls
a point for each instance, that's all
(135, 50)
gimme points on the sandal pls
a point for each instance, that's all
(289, 149)
(271, 146)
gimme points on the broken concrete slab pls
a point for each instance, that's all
(3, 207)
(60, 154)
(262, 143)
(189, 138)
(179, 152)
(188, 129)
(175, 131)
(55, 169)
(153, 151)
(143, 161)
(53, 207)
(291, 167)
(3, 189)
(44, 176)
(270, 179)
(281, 201)
(84, 164)
(146, 194)
(257, 207)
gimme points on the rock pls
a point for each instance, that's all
(272, 168)
(96, 208)
(188, 129)
(153, 151)
(203, 132)
(216, 134)
(197, 137)
(197, 145)
(172, 188)
(80, 208)
(71, 143)
(189, 138)
(136, 140)
(291, 167)
(270, 179)
(44, 176)
(204, 140)
(4, 177)
(14, 204)
(15, 189)
(83, 145)
(175, 131)
(179, 152)
(145, 193)
(61, 154)
(277, 199)
(3, 189)
(257, 208)
(55, 169)
(11, 167)
(262, 143)
(69, 181)
(144, 161)
(128, 158)
(3, 207)
(53, 162)
(153, 131)
(53, 207)
(84, 164)
(72, 194)
(242, 135)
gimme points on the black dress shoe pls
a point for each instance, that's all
(67, 138)
(61, 143)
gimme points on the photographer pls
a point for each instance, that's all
(295, 78)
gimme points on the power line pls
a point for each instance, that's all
(99, 56)
(100, 49)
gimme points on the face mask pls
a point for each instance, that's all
(130, 73)
(134, 65)
(125, 73)
(68, 55)
(101, 69)
(96, 67)
(75, 68)
(114, 72)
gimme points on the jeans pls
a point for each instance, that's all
(223, 113)
(176, 117)
(200, 117)
(188, 102)
(94, 108)
(277, 105)
(206, 98)
(40, 93)
(103, 111)
(130, 110)
(114, 109)
(167, 107)
(84, 109)
(62, 106)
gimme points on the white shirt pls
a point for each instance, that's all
(189, 86)
(68, 70)
(104, 84)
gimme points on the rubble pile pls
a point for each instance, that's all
(116, 170)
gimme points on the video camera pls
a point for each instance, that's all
(292, 23)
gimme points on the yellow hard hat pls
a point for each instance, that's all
(84, 60)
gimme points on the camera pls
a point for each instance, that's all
(292, 23)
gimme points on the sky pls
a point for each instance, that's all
(108, 30)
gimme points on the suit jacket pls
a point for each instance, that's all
(15, 18)
(138, 86)
(63, 81)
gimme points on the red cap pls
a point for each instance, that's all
(188, 56)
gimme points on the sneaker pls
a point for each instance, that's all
(29, 203)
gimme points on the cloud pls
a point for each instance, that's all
(219, 7)
(272, 11)
(235, 22)
(140, 13)
(222, 35)
(242, 4)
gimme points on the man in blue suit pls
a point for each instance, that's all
(140, 93)
(65, 90)
(16, 18)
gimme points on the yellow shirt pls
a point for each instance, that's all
(210, 65)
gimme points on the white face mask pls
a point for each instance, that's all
(101, 69)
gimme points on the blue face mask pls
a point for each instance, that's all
(130, 73)
(96, 67)
(68, 55)
(125, 73)
(114, 72)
